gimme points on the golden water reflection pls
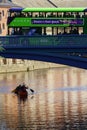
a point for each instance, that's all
(59, 102)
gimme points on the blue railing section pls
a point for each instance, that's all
(45, 41)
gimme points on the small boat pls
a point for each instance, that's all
(20, 91)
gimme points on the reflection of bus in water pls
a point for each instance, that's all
(47, 21)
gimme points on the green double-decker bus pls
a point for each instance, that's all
(47, 21)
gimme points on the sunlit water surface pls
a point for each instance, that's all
(59, 101)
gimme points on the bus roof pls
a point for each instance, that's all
(80, 9)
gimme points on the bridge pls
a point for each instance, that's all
(61, 49)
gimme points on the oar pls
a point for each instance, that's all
(31, 89)
(13, 91)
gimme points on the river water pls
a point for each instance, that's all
(59, 101)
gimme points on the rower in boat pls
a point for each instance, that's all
(21, 90)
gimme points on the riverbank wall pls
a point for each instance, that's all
(25, 65)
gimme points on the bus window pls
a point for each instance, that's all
(59, 15)
(35, 15)
(49, 31)
(67, 30)
(80, 29)
(60, 30)
(77, 15)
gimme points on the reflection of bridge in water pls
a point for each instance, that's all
(63, 49)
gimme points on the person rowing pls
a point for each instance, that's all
(20, 87)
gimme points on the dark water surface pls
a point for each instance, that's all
(59, 102)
